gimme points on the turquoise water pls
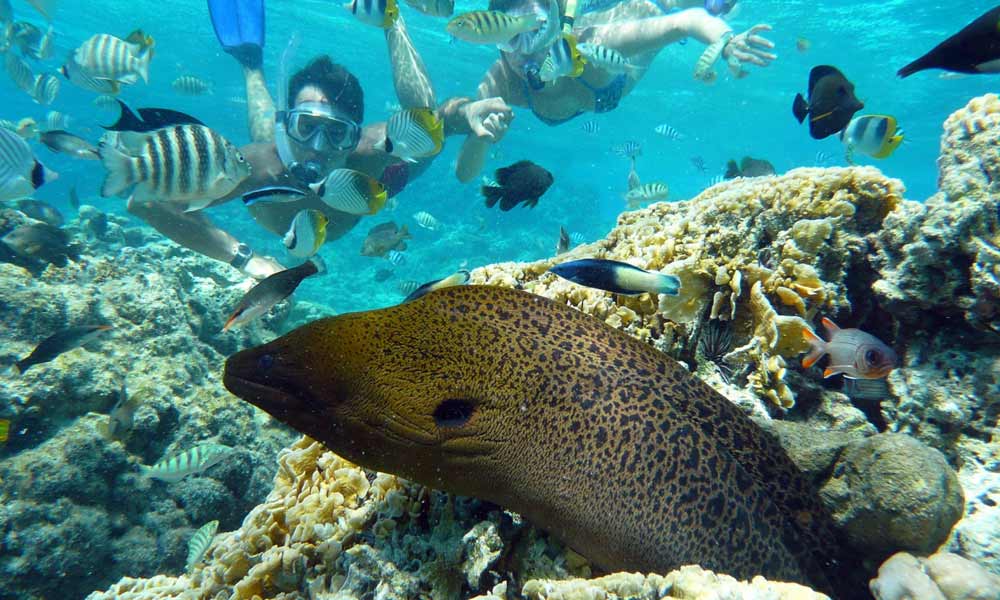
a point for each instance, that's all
(867, 40)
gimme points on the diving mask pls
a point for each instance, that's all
(719, 8)
(316, 125)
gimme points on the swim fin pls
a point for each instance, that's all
(239, 27)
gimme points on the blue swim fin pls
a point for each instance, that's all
(239, 26)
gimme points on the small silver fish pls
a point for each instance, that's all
(67, 143)
(647, 192)
(592, 127)
(20, 72)
(563, 244)
(630, 149)
(199, 543)
(407, 287)
(855, 353)
(633, 177)
(20, 172)
(609, 59)
(190, 462)
(56, 120)
(45, 89)
(122, 415)
(426, 220)
(395, 257)
(189, 85)
(76, 75)
(668, 132)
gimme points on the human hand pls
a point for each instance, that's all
(748, 47)
(488, 119)
(261, 267)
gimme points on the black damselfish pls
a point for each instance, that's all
(831, 104)
(521, 182)
(974, 49)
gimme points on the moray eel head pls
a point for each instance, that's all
(386, 388)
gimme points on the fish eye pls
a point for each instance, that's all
(265, 362)
(453, 413)
(873, 357)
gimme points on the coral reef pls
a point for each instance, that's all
(761, 257)
(767, 254)
(75, 514)
(943, 576)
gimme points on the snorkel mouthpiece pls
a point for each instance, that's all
(531, 75)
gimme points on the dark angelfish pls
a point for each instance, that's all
(523, 182)
(975, 49)
(149, 119)
(831, 103)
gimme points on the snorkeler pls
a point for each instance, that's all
(317, 128)
(634, 30)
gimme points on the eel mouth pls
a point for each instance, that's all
(252, 376)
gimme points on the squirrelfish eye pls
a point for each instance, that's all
(873, 357)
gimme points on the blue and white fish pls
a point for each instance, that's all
(395, 257)
(668, 132)
(617, 277)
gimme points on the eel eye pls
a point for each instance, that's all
(453, 413)
(265, 362)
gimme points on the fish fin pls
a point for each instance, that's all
(849, 153)
(505, 47)
(143, 66)
(404, 232)
(669, 284)
(800, 108)
(199, 204)
(231, 320)
(829, 372)
(45, 7)
(817, 345)
(924, 62)
(492, 194)
(830, 326)
(121, 170)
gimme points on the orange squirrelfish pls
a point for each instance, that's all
(856, 354)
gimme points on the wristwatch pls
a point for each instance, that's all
(243, 255)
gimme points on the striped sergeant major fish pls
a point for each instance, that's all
(189, 462)
(491, 26)
(186, 164)
(609, 59)
(105, 56)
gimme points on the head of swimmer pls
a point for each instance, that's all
(529, 48)
(326, 108)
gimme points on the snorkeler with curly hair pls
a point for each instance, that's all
(634, 29)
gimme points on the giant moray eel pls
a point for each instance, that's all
(590, 434)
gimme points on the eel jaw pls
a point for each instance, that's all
(243, 378)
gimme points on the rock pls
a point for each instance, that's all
(890, 492)
(961, 579)
(902, 578)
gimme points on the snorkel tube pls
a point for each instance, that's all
(281, 113)
(307, 172)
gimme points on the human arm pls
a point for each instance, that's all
(195, 231)
(472, 156)
(409, 74)
(260, 106)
